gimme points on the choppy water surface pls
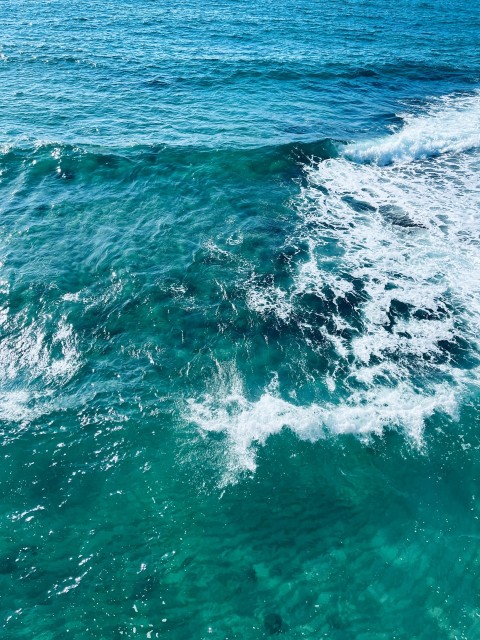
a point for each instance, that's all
(239, 320)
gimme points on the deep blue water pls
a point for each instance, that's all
(239, 319)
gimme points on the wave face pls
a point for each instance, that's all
(387, 294)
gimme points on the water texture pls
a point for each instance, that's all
(239, 319)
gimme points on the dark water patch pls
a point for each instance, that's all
(358, 205)
(460, 352)
(398, 310)
(304, 75)
(8, 564)
(160, 83)
(144, 587)
(273, 623)
(398, 217)
(440, 313)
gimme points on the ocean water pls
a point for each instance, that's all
(240, 319)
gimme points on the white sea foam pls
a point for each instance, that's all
(409, 233)
(452, 124)
(268, 300)
(28, 352)
(31, 366)
(407, 229)
(248, 424)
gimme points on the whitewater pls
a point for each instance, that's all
(391, 227)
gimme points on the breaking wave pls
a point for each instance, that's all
(451, 125)
(393, 255)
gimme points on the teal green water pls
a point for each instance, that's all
(239, 320)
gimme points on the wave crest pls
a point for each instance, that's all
(452, 125)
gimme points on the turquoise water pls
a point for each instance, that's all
(239, 319)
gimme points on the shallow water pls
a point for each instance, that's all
(239, 348)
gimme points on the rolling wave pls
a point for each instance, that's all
(452, 125)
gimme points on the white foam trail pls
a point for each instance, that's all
(408, 232)
(248, 424)
(451, 125)
(32, 366)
